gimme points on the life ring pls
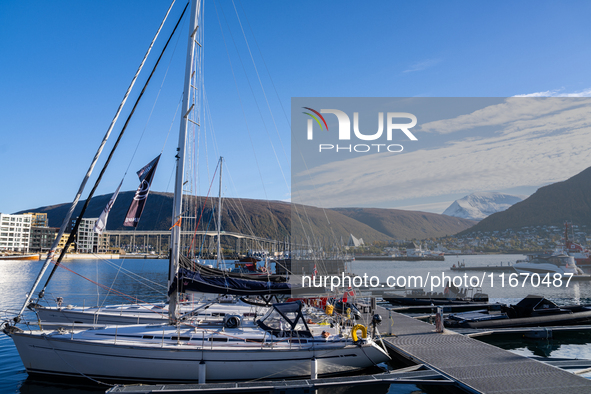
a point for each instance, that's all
(354, 331)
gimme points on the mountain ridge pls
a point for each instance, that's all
(549, 205)
(479, 205)
(272, 219)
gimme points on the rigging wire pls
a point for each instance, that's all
(197, 225)
(113, 149)
(89, 172)
(282, 108)
(243, 110)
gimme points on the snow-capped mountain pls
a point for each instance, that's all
(479, 205)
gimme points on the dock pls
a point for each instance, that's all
(419, 374)
(449, 308)
(475, 366)
(508, 268)
(401, 258)
(526, 332)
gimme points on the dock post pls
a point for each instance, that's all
(439, 319)
(390, 321)
(202, 372)
(313, 368)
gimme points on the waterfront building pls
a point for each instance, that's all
(38, 219)
(15, 231)
(62, 244)
(88, 241)
(42, 238)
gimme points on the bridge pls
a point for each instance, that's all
(160, 240)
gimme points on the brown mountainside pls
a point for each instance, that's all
(273, 219)
(399, 224)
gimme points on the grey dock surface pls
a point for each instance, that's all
(474, 365)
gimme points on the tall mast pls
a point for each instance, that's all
(220, 216)
(180, 164)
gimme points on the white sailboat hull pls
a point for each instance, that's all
(123, 360)
(127, 314)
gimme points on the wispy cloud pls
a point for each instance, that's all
(557, 93)
(423, 65)
(518, 115)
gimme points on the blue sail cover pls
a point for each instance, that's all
(190, 281)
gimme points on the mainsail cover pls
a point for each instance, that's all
(191, 281)
(187, 264)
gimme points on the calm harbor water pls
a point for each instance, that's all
(145, 279)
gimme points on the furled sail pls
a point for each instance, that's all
(189, 265)
(193, 281)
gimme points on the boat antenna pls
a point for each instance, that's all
(68, 216)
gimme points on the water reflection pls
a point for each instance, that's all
(562, 345)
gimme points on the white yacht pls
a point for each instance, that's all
(554, 264)
(282, 345)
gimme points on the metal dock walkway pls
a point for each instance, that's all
(413, 375)
(474, 365)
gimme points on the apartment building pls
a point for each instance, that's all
(88, 241)
(15, 232)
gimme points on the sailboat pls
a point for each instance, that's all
(194, 277)
(281, 344)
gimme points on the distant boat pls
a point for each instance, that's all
(582, 255)
(19, 257)
(532, 311)
(544, 264)
(450, 296)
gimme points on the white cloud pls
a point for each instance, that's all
(420, 66)
(556, 93)
(518, 112)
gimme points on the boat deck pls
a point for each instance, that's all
(474, 365)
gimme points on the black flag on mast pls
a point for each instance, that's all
(136, 208)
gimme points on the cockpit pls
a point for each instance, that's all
(285, 320)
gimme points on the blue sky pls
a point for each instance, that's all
(65, 66)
